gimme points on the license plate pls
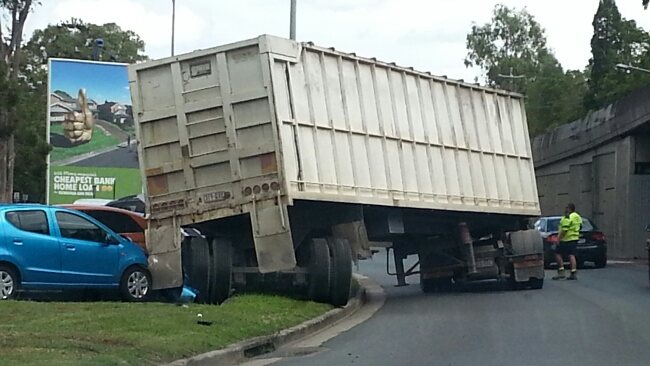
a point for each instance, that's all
(582, 241)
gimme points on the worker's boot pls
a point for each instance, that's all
(573, 276)
(560, 274)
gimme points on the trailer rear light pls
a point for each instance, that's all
(553, 239)
(265, 187)
(275, 186)
(598, 236)
(248, 191)
(257, 189)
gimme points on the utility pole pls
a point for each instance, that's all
(173, 23)
(512, 79)
(292, 20)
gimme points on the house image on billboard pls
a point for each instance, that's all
(115, 112)
(62, 103)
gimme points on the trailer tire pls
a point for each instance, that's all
(340, 271)
(319, 270)
(220, 270)
(196, 251)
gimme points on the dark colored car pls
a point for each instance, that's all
(130, 203)
(592, 246)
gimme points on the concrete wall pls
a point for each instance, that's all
(603, 187)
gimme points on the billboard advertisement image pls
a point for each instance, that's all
(94, 152)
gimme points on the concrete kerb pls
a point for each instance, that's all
(242, 351)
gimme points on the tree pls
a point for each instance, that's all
(615, 41)
(10, 59)
(645, 3)
(76, 39)
(514, 43)
(31, 144)
(73, 39)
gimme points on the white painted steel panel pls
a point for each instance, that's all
(327, 126)
(371, 132)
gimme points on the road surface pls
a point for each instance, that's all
(122, 157)
(601, 319)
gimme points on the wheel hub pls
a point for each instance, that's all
(6, 285)
(138, 285)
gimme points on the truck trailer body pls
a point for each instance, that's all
(283, 153)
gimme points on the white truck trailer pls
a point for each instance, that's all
(292, 159)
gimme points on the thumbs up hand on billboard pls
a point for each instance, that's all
(78, 126)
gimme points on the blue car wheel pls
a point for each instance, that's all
(135, 285)
(9, 282)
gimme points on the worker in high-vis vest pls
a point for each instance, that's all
(569, 235)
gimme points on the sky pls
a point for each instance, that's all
(103, 82)
(428, 35)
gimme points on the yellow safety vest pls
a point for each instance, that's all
(570, 226)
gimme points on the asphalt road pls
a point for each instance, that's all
(121, 157)
(601, 319)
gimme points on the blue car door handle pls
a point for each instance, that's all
(70, 247)
(18, 242)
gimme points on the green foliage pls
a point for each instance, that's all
(31, 146)
(645, 4)
(615, 41)
(75, 39)
(512, 52)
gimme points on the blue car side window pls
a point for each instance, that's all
(76, 227)
(33, 221)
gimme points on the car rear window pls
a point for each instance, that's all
(33, 221)
(118, 222)
(553, 224)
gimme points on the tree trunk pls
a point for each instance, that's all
(7, 158)
(10, 64)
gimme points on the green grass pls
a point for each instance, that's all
(114, 333)
(99, 141)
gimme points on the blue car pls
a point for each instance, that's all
(46, 247)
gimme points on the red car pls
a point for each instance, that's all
(126, 223)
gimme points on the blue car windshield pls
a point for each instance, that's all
(552, 225)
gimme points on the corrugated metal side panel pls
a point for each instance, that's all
(206, 130)
(357, 130)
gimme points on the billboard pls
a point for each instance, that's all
(90, 128)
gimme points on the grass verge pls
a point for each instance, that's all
(100, 140)
(114, 333)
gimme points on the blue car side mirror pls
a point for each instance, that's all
(111, 240)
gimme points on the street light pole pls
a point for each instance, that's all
(173, 23)
(631, 68)
(512, 78)
(292, 20)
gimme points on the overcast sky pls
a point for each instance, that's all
(428, 35)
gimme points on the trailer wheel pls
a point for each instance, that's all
(196, 265)
(221, 270)
(340, 271)
(319, 270)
